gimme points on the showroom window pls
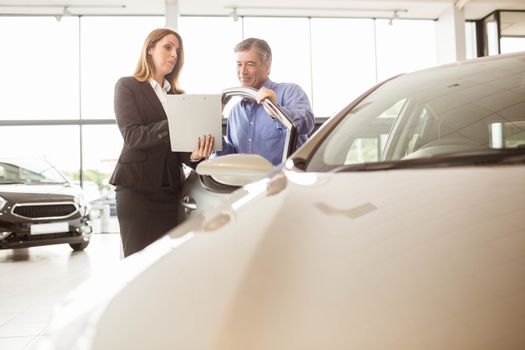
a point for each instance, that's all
(404, 46)
(512, 31)
(40, 63)
(343, 62)
(290, 57)
(58, 144)
(471, 48)
(101, 147)
(110, 49)
(209, 63)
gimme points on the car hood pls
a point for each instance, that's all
(401, 259)
(38, 193)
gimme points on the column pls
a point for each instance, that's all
(172, 14)
(450, 31)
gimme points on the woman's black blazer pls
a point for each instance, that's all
(146, 160)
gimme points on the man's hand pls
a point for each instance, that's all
(266, 93)
(203, 148)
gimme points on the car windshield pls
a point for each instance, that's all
(452, 111)
(14, 171)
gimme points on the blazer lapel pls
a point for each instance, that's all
(152, 98)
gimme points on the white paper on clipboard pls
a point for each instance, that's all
(191, 116)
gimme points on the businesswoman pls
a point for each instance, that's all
(148, 174)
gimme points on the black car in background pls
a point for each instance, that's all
(39, 206)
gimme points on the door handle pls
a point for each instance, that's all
(188, 203)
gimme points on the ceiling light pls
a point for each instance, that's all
(65, 12)
(234, 14)
(395, 15)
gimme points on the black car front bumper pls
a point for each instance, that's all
(19, 236)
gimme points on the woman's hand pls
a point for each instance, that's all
(203, 148)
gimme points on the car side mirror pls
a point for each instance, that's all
(235, 169)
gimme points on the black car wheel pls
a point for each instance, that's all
(77, 247)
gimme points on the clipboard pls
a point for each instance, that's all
(191, 116)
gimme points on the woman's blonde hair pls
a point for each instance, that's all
(146, 68)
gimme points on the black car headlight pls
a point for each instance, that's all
(83, 206)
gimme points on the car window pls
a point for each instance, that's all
(28, 171)
(507, 134)
(470, 107)
(368, 145)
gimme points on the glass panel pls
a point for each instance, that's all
(110, 49)
(209, 67)
(404, 46)
(342, 70)
(101, 148)
(289, 41)
(512, 45)
(363, 150)
(60, 145)
(508, 135)
(491, 36)
(39, 68)
(512, 23)
(471, 48)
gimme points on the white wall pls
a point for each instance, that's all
(450, 31)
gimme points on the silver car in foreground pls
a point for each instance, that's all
(398, 225)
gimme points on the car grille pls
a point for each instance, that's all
(44, 210)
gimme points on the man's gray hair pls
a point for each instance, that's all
(260, 46)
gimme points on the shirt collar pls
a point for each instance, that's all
(154, 84)
(268, 84)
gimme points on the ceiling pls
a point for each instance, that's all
(414, 9)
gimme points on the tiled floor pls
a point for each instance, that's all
(33, 280)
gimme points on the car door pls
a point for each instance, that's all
(202, 191)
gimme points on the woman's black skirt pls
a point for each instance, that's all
(145, 215)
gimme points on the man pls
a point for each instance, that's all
(250, 128)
